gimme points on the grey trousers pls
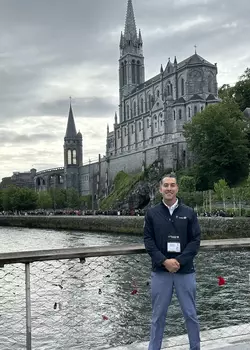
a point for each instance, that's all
(162, 286)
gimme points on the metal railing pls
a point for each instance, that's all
(87, 298)
(58, 169)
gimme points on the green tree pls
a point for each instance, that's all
(44, 200)
(58, 198)
(222, 190)
(72, 199)
(226, 92)
(187, 183)
(10, 198)
(86, 202)
(27, 199)
(241, 91)
(218, 139)
(15, 198)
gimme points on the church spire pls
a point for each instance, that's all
(71, 128)
(130, 32)
(131, 41)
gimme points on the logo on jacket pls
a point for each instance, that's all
(181, 217)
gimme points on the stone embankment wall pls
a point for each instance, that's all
(212, 228)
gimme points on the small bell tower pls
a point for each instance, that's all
(72, 153)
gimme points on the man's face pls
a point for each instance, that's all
(169, 189)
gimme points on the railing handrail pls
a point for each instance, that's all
(97, 251)
(69, 253)
(49, 170)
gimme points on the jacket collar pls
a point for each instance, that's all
(172, 207)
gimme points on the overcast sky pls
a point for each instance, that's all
(53, 49)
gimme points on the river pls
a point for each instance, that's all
(92, 305)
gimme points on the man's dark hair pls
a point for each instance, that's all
(172, 175)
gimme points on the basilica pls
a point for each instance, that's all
(149, 125)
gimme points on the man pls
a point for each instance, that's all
(172, 239)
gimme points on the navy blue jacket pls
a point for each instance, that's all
(159, 224)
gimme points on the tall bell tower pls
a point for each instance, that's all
(131, 62)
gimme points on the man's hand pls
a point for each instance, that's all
(172, 265)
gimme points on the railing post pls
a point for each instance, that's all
(28, 306)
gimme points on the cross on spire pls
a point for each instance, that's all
(195, 48)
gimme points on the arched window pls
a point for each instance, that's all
(168, 90)
(74, 156)
(189, 112)
(149, 101)
(134, 108)
(125, 73)
(138, 72)
(133, 72)
(180, 113)
(160, 119)
(122, 74)
(174, 115)
(124, 111)
(171, 89)
(202, 108)
(210, 84)
(69, 157)
(195, 109)
(127, 114)
(139, 126)
(148, 123)
(142, 109)
(118, 134)
(132, 129)
(182, 87)
(158, 93)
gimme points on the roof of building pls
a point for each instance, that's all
(196, 97)
(211, 97)
(194, 60)
(180, 100)
(71, 128)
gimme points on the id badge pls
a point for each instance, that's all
(174, 247)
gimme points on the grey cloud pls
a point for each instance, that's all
(15, 138)
(85, 106)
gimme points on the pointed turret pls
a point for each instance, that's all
(175, 61)
(115, 118)
(71, 128)
(130, 32)
(161, 69)
(140, 38)
(121, 41)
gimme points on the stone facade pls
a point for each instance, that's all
(19, 179)
(151, 118)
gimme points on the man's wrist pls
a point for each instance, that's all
(164, 262)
